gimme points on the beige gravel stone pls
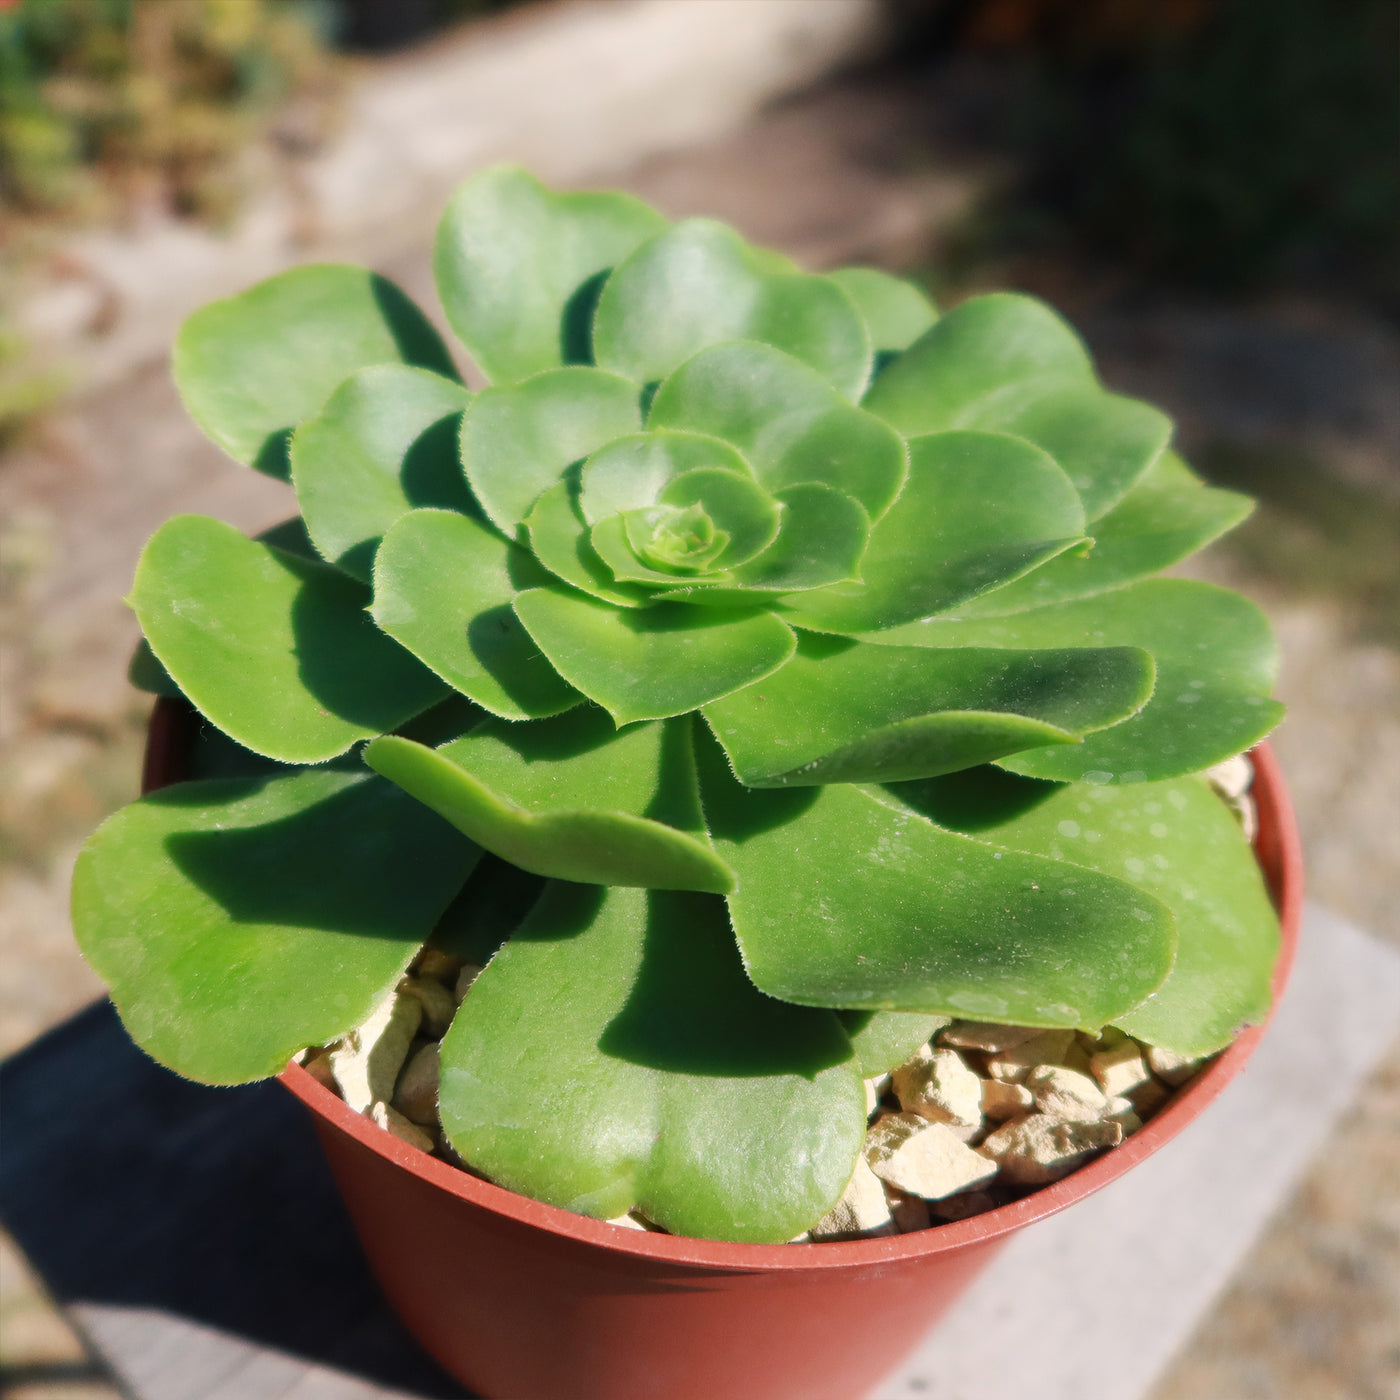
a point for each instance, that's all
(1119, 1068)
(863, 1210)
(962, 1206)
(1035, 1148)
(417, 1094)
(874, 1089)
(1120, 1110)
(984, 1035)
(394, 1121)
(1001, 1101)
(1065, 1093)
(468, 974)
(938, 1085)
(923, 1158)
(1148, 1097)
(1044, 1048)
(910, 1213)
(367, 1064)
(1174, 1069)
(1231, 779)
(625, 1222)
(439, 1005)
(442, 967)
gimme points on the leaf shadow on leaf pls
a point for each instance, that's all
(576, 324)
(974, 799)
(734, 812)
(431, 477)
(692, 1009)
(276, 873)
(487, 910)
(418, 343)
(273, 457)
(292, 537)
(343, 659)
(496, 637)
(676, 800)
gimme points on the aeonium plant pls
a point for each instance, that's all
(762, 668)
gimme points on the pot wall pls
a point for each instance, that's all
(518, 1312)
(523, 1301)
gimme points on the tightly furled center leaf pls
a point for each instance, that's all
(730, 585)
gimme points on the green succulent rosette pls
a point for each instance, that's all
(762, 667)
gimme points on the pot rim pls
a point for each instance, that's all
(1279, 852)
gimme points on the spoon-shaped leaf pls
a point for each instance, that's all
(516, 442)
(385, 442)
(699, 284)
(1175, 840)
(951, 374)
(443, 587)
(843, 711)
(791, 426)
(1168, 515)
(238, 920)
(1104, 442)
(571, 798)
(251, 367)
(979, 509)
(842, 900)
(651, 662)
(894, 310)
(613, 1055)
(517, 268)
(1215, 658)
(275, 650)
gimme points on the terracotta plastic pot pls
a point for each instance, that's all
(525, 1301)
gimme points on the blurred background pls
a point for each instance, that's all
(1207, 188)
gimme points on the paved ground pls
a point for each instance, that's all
(833, 177)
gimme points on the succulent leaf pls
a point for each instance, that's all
(613, 1055)
(1103, 441)
(843, 900)
(895, 312)
(979, 510)
(275, 650)
(443, 588)
(989, 349)
(239, 920)
(1168, 515)
(518, 268)
(654, 662)
(698, 284)
(251, 367)
(790, 425)
(1177, 841)
(385, 442)
(571, 798)
(846, 711)
(882, 1040)
(518, 441)
(1215, 658)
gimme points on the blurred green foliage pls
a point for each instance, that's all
(108, 102)
(1226, 143)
